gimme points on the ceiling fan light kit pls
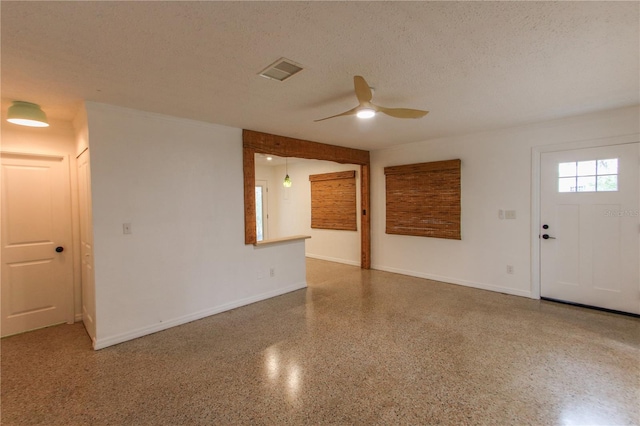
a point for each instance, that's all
(366, 113)
(367, 109)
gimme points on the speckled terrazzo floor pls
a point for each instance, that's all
(356, 347)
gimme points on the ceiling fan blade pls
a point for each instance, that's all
(363, 91)
(402, 112)
(350, 112)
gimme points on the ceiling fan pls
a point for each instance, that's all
(366, 109)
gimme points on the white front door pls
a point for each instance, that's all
(37, 260)
(590, 227)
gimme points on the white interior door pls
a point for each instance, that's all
(86, 244)
(590, 228)
(37, 260)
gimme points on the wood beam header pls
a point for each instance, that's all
(282, 146)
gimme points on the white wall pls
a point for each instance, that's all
(179, 183)
(496, 174)
(57, 139)
(292, 211)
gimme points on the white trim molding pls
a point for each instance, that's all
(333, 259)
(455, 281)
(103, 342)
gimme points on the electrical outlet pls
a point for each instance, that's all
(272, 272)
(509, 269)
(509, 214)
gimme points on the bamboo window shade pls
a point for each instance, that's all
(424, 199)
(333, 201)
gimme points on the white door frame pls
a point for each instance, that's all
(536, 156)
(265, 207)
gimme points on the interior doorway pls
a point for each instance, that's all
(263, 143)
(86, 244)
(262, 211)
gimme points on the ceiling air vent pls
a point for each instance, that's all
(281, 70)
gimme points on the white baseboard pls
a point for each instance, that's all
(333, 259)
(104, 342)
(450, 280)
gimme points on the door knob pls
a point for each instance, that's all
(545, 226)
(59, 249)
(547, 236)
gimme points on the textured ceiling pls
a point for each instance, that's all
(474, 65)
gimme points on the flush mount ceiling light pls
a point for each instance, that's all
(27, 114)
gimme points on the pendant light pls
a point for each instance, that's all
(27, 114)
(287, 179)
